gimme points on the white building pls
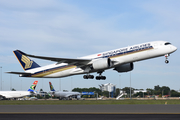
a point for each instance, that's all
(108, 87)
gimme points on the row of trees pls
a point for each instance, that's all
(164, 90)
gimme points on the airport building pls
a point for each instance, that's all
(108, 87)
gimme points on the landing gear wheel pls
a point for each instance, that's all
(103, 77)
(85, 77)
(91, 76)
(88, 76)
(100, 77)
(167, 61)
(166, 56)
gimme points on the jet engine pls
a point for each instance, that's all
(102, 63)
(124, 67)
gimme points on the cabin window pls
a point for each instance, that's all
(167, 43)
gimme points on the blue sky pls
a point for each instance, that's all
(75, 28)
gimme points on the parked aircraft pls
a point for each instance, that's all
(18, 94)
(64, 95)
(120, 59)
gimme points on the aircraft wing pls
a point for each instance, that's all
(60, 60)
(6, 95)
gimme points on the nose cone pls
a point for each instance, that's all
(174, 48)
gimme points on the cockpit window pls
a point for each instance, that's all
(167, 43)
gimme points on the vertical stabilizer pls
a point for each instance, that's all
(33, 86)
(25, 62)
(51, 87)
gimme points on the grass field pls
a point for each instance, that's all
(87, 102)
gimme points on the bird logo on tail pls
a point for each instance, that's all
(28, 63)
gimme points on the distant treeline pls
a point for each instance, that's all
(164, 90)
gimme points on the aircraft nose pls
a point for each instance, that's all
(174, 48)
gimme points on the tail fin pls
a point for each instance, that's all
(25, 62)
(33, 86)
(51, 87)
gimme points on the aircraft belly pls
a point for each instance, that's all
(54, 75)
(65, 73)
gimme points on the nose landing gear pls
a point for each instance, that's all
(166, 56)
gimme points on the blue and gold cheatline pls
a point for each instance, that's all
(67, 67)
(52, 70)
(132, 51)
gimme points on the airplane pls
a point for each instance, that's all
(121, 60)
(64, 95)
(18, 94)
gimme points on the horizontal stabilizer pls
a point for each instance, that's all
(23, 73)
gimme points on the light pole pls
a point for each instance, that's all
(162, 93)
(130, 85)
(42, 84)
(59, 84)
(2, 84)
(96, 95)
(1, 78)
(10, 83)
(119, 82)
(143, 94)
(71, 84)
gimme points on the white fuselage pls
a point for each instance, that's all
(14, 94)
(118, 56)
(62, 94)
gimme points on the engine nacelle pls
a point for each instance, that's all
(102, 63)
(125, 67)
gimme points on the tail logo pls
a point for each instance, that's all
(51, 87)
(28, 63)
(33, 87)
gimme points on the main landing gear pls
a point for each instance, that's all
(88, 76)
(166, 56)
(100, 77)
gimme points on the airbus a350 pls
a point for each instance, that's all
(120, 59)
